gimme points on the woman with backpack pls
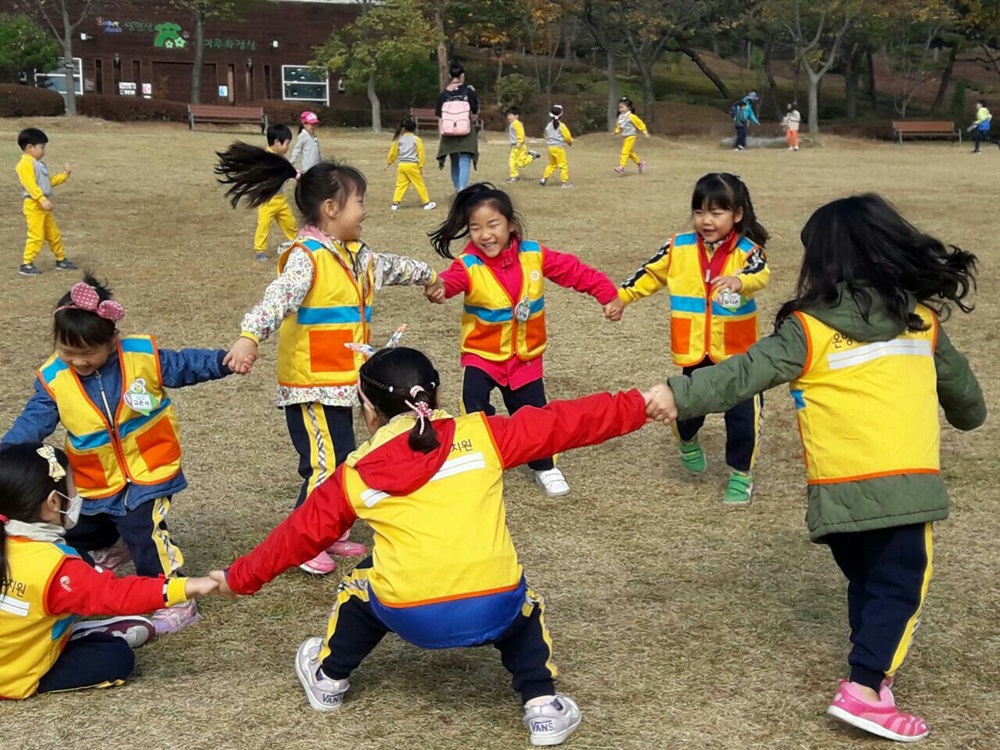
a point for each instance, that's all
(456, 107)
(743, 115)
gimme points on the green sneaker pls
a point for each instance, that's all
(692, 456)
(739, 490)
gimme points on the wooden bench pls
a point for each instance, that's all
(225, 115)
(429, 117)
(924, 128)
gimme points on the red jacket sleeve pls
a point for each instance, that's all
(80, 589)
(311, 528)
(534, 433)
(455, 279)
(569, 271)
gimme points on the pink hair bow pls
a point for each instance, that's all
(422, 408)
(85, 297)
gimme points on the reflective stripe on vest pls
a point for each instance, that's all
(130, 446)
(490, 328)
(698, 329)
(868, 409)
(336, 311)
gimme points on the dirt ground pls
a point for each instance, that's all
(676, 624)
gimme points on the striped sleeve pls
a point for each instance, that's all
(650, 278)
(755, 273)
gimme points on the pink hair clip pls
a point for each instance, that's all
(85, 297)
(422, 408)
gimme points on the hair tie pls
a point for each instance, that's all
(56, 470)
(85, 297)
(3, 518)
(422, 408)
(298, 175)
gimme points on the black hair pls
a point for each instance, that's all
(456, 224)
(857, 245)
(980, 102)
(728, 192)
(407, 124)
(516, 111)
(625, 100)
(387, 380)
(31, 137)
(24, 486)
(255, 176)
(83, 328)
(276, 133)
(456, 70)
(556, 112)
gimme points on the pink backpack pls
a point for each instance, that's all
(456, 117)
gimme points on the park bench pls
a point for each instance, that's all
(224, 115)
(924, 128)
(429, 117)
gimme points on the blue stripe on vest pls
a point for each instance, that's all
(50, 371)
(137, 346)
(537, 305)
(131, 425)
(310, 316)
(746, 245)
(749, 307)
(687, 304)
(798, 398)
(312, 245)
(471, 260)
(530, 246)
(688, 238)
(61, 626)
(491, 316)
(89, 441)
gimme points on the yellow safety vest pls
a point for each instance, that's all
(31, 638)
(702, 324)
(868, 410)
(447, 540)
(141, 444)
(494, 326)
(336, 311)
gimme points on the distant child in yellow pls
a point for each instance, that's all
(408, 150)
(558, 138)
(520, 156)
(629, 125)
(36, 188)
(279, 139)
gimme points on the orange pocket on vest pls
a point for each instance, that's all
(158, 445)
(88, 471)
(485, 338)
(327, 352)
(680, 335)
(534, 332)
(740, 335)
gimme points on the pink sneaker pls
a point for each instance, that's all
(881, 718)
(620, 170)
(175, 619)
(319, 565)
(113, 557)
(347, 548)
(642, 167)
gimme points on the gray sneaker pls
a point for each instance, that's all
(323, 694)
(534, 154)
(135, 631)
(29, 269)
(66, 265)
(552, 723)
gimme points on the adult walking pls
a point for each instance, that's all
(459, 141)
(743, 114)
(980, 129)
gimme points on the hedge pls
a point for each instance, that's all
(130, 108)
(28, 101)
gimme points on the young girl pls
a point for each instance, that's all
(322, 299)
(279, 137)
(109, 392)
(629, 125)
(502, 276)
(712, 275)
(790, 124)
(306, 148)
(408, 150)
(868, 364)
(444, 571)
(41, 649)
(558, 139)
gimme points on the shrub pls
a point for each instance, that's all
(516, 90)
(28, 101)
(130, 108)
(591, 117)
(958, 106)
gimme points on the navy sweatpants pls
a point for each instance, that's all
(94, 660)
(323, 437)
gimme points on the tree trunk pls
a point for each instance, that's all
(693, 55)
(871, 79)
(851, 75)
(68, 68)
(945, 79)
(376, 104)
(499, 76)
(648, 97)
(814, 80)
(612, 91)
(199, 57)
(798, 80)
(442, 48)
(771, 84)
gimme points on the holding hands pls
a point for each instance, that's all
(613, 310)
(241, 356)
(202, 586)
(434, 291)
(660, 404)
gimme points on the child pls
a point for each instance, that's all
(444, 571)
(629, 125)
(41, 649)
(321, 300)
(712, 275)
(868, 364)
(306, 149)
(279, 137)
(980, 129)
(408, 149)
(520, 156)
(109, 392)
(502, 276)
(36, 189)
(790, 124)
(558, 138)
(743, 116)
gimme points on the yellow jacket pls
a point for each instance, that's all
(33, 175)
(408, 149)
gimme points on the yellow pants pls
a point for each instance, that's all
(278, 211)
(628, 151)
(409, 174)
(519, 159)
(557, 160)
(41, 229)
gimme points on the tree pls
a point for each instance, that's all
(201, 12)
(600, 20)
(549, 29)
(383, 36)
(911, 33)
(497, 24)
(24, 47)
(64, 18)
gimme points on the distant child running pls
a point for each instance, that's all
(109, 392)
(45, 586)
(321, 300)
(980, 128)
(520, 156)
(790, 124)
(36, 189)
(306, 151)
(868, 362)
(629, 125)
(279, 138)
(558, 138)
(408, 149)
(444, 571)
(712, 275)
(502, 276)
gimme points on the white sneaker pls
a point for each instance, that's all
(552, 723)
(430, 206)
(553, 482)
(135, 631)
(323, 694)
(394, 207)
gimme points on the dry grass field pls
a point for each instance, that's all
(676, 624)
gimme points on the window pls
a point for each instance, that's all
(302, 83)
(56, 80)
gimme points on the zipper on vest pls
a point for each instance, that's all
(114, 434)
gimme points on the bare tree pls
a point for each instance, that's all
(64, 22)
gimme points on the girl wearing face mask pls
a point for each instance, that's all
(502, 276)
(45, 586)
(109, 392)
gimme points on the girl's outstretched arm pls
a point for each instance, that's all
(192, 366)
(569, 271)
(38, 420)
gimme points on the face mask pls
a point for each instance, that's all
(72, 513)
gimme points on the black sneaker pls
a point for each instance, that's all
(29, 269)
(66, 265)
(534, 155)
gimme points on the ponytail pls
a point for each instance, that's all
(253, 174)
(407, 124)
(400, 380)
